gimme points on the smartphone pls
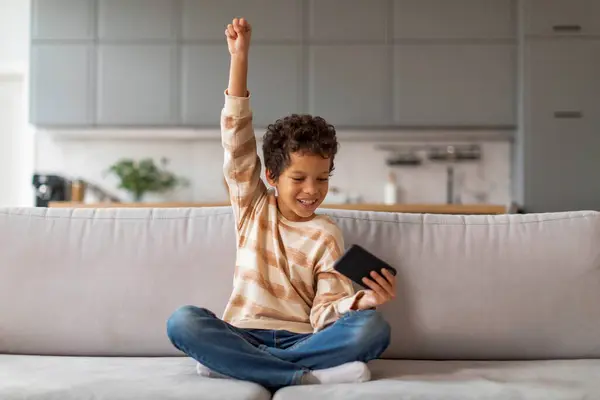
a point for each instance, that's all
(357, 263)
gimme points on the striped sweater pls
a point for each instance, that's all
(284, 277)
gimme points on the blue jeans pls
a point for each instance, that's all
(276, 358)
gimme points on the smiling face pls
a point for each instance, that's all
(298, 153)
(302, 186)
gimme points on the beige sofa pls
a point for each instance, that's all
(488, 307)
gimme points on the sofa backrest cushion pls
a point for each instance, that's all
(104, 281)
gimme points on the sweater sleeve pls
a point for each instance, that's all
(241, 166)
(335, 294)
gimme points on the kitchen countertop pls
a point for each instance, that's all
(404, 208)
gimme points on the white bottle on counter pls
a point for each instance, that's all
(390, 192)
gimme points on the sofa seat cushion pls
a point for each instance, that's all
(464, 380)
(105, 378)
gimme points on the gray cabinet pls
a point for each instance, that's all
(273, 20)
(275, 83)
(562, 165)
(456, 19)
(62, 19)
(349, 85)
(61, 85)
(561, 17)
(359, 63)
(563, 76)
(137, 19)
(358, 21)
(454, 84)
(136, 85)
(562, 125)
(205, 71)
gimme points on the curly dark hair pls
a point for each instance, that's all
(304, 133)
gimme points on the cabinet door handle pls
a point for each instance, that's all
(566, 28)
(568, 114)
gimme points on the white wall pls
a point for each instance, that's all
(11, 93)
(16, 137)
(14, 34)
(360, 168)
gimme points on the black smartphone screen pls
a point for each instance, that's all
(357, 263)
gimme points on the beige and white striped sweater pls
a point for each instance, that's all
(284, 277)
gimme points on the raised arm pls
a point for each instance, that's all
(241, 163)
(238, 35)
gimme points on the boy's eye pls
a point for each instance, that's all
(297, 179)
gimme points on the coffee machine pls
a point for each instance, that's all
(50, 188)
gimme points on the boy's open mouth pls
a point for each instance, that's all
(307, 203)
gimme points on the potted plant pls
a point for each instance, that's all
(144, 176)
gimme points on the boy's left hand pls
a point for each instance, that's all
(382, 288)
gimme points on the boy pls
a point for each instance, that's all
(291, 318)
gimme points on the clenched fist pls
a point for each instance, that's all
(238, 37)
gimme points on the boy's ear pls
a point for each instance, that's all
(270, 179)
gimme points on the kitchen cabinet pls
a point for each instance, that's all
(563, 77)
(349, 85)
(561, 17)
(205, 71)
(454, 84)
(61, 84)
(276, 85)
(456, 19)
(562, 162)
(562, 125)
(62, 19)
(137, 19)
(273, 20)
(360, 63)
(361, 21)
(137, 85)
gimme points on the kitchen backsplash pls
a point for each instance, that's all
(361, 170)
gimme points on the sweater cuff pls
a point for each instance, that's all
(237, 106)
(349, 303)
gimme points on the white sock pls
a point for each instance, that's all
(209, 373)
(352, 372)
